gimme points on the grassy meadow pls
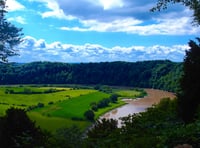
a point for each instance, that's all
(57, 107)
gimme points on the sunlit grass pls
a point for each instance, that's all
(73, 108)
(54, 123)
(67, 105)
(128, 93)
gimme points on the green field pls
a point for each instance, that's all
(128, 93)
(62, 107)
(74, 107)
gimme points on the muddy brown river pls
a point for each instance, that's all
(138, 105)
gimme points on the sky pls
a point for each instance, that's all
(100, 30)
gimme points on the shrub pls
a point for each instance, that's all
(89, 115)
(40, 105)
(50, 103)
(113, 98)
(9, 91)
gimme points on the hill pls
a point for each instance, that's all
(160, 74)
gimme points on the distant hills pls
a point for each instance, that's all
(160, 74)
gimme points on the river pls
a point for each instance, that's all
(138, 105)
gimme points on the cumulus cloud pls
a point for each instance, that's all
(54, 10)
(32, 49)
(127, 16)
(13, 5)
(179, 26)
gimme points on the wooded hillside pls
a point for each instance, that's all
(161, 74)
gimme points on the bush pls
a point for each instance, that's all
(103, 103)
(40, 105)
(50, 103)
(89, 115)
(113, 98)
(9, 91)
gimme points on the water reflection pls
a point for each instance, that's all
(124, 111)
(138, 105)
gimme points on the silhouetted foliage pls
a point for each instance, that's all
(102, 133)
(158, 127)
(89, 115)
(113, 98)
(40, 105)
(10, 36)
(17, 130)
(194, 5)
(189, 97)
(67, 138)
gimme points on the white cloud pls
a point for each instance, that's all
(13, 5)
(18, 19)
(113, 26)
(179, 26)
(111, 4)
(32, 49)
(54, 11)
(132, 17)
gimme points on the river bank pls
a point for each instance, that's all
(138, 105)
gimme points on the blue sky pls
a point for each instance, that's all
(100, 30)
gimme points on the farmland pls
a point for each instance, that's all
(57, 107)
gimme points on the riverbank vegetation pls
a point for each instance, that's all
(160, 126)
(160, 74)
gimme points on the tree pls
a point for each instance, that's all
(189, 99)
(104, 133)
(67, 137)
(194, 5)
(10, 36)
(17, 130)
(114, 97)
(89, 114)
(189, 96)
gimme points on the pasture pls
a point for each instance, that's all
(131, 94)
(57, 107)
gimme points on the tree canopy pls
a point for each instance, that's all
(147, 74)
(189, 99)
(193, 5)
(10, 36)
(17, 130)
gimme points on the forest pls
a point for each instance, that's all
(159, 74)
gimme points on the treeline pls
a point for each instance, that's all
(29, 91)
(161, 74)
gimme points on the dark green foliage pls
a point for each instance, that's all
(89, 115)
(194, 5)
(189, 97)
(163, 75)
(102, 134)
(30, 91)
(17, 130)
(10, 35)
(103, 103)
(158, 127)
(67, 138)
(94, 106)
(39, 105)
(113, 98)
(50, 103)
(9, 91)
